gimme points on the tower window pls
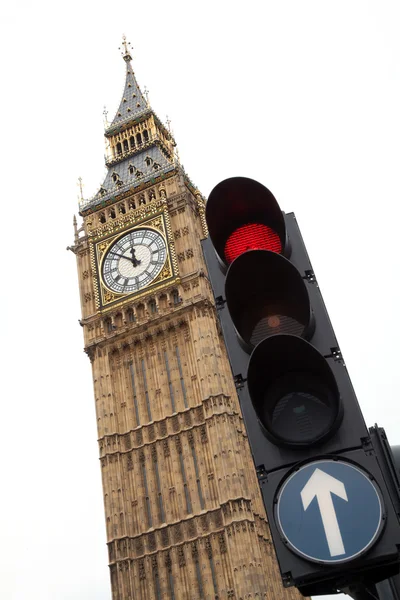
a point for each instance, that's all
(102, 218)
(139, 173)
(138, 138)
(131, 169)
(124, 100)
(176, 299)
(156, 166)
(115, 177)
(112, 213)
(146, 135)
(148, 160)
(126, 146)
(132, 142)
(121, 208)
(153, 307)
(119, 148)
(133, 95)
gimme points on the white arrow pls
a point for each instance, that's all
(321, 485)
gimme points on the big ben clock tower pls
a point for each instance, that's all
(184, 516)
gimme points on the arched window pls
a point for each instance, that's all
(119, 148)
(152, 306)
(132, 142)
(162, 301)
(126, 146)
(176, 299)
(102, 218)
(112, 213)
(138, 138)
(146, 135)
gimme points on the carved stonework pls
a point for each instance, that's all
(181, 557)
(142, 571)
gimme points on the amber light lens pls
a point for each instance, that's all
(252, 236)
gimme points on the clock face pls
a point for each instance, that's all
(134, 261)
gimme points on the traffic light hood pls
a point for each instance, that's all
(239, 201)
(267, 295)
(293, 390)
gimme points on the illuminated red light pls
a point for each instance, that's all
(252, 236)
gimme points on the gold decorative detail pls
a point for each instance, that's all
(101, 248)
(165, 273)
(109, 296)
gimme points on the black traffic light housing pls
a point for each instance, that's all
(296, 397)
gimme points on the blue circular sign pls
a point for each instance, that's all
(329, 511)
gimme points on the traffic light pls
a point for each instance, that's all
(331, 514)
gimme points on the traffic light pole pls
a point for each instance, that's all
(385, 590)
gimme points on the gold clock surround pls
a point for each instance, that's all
(99, 246)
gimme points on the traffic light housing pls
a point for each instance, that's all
(296, 397)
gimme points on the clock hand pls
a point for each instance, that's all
(120, 255)
(135, 261)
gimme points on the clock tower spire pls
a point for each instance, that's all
(184, 515)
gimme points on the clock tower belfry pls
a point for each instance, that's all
(184, 515)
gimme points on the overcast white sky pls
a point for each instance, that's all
(303, 96)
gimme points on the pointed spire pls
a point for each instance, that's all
(133, 102)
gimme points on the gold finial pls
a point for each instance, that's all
(80, 188)
(105, 115)
(146, 93)
(125, 53)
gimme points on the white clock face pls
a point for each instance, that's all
(134, 261)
